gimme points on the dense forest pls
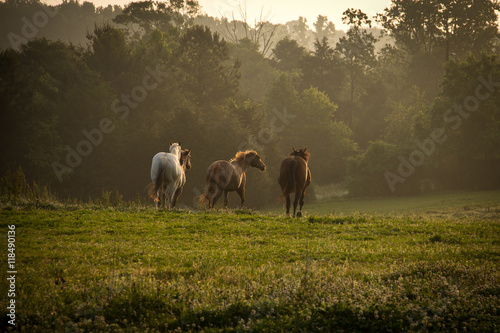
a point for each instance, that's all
(401, 103)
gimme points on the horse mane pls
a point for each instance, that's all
(241, 155)
(304, 154)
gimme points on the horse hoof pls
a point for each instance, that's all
(299, 214)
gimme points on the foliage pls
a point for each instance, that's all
(44, 106)
(288, 54)
(162, 15)
(256, 72)
(472, 144)
(322, 69)
(160, 73)
(14, 187)
(357, 47)
(458, 26)
(432, 32)
(365, 172)
(69, 21)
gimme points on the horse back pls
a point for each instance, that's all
(228, 178)
(157, 165)
(301, 175)
(168, 165)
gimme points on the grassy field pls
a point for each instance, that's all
(456, 203)
(371, 267)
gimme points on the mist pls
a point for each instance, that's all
(89, 95)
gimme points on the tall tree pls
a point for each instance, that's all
(208, 75)
(288, 54)
(358, 47)
(142, 17)
(300, 31)
(322, 69)
(324, 28)
(261, 33)
(257, 74)
(110, 54)
(467, 111)
(454, 26)
(46, 111)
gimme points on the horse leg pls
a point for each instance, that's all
(170, 200)
(288, 205)
(171, 196)
(301, 202)
(295, 202)
(225, 198)
(241, 192)
(176, 196)
(217, 195)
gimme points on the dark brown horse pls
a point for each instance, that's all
(295, 176)
(224, 177)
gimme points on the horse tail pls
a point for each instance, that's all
(156, 183)
(290, 184)
(213, 183)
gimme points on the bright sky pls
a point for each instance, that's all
(281, 11)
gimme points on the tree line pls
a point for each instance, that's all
(417, 114)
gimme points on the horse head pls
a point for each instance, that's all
(175, 147)
(255, 160)
(185, 158)
(301, 152)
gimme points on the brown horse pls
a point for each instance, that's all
(224, 177)
(295, 176)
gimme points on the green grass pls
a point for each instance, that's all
(88, 269)
(458, 203)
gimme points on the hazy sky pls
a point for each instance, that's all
(281, 10)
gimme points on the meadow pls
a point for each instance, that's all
(128, 268)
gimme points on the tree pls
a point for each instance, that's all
(288, 54)
(53, 98)
(357, 48)
(261, 34)
(324, 28)
(300, 31)
(310, 121)
(399, 129)
(454, 26)
(110, 54)
(365, 171)
(433, 31)
(207, 75)
(150, 15)
(322, 69)
(467, 111)
(257, 74)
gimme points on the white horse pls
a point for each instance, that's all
(167, 176)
